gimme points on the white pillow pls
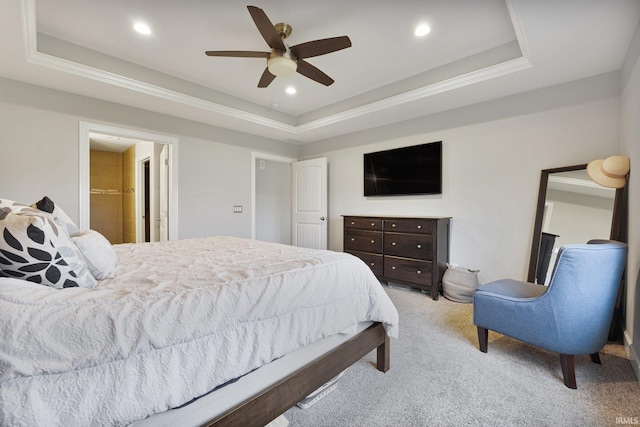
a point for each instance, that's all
(98, 253)
(35, 248)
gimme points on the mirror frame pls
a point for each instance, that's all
(616, 219)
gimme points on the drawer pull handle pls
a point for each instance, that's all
(353, 239)
(353, 223)
(419, 227)
(419, 246)
(373, 223)
(393, 268)
(393, 243)
(372, 264)
(393, 225)
(419, 272)
(373, 241)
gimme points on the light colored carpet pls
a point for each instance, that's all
(438, 377)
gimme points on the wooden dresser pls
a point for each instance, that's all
(412, 251)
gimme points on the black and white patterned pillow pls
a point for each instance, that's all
(12, 205)
(34, 248)
(46, 205)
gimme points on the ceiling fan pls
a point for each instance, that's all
(284, 60)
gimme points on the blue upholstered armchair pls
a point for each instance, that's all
(570, 317)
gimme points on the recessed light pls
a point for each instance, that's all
(422, 30)
(291, 90)
(142, 28)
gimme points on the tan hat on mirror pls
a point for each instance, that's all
(610, 172)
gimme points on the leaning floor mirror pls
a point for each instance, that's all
(571, 209)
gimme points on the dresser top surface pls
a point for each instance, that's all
(396, 217)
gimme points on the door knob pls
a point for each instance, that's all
(322, 218)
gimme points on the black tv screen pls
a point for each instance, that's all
(404, 171)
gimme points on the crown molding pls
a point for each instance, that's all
(463, 80)
(33, 56)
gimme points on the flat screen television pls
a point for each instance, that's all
(404, 171)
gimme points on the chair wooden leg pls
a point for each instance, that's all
(595, 358)
(483, 338)
(567, 362)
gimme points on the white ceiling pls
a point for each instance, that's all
(477, 50)
(116, 144)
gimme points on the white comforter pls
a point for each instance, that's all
(178, 319)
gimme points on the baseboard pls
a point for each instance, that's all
(633, 356)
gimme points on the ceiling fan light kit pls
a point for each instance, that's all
(281, 66)
(284, 61)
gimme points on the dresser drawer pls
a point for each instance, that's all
(363, 223)
(413, 225)
(374, 261)
(407, 270)
(417, 246)
(363, 241)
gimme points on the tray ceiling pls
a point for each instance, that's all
(476, 51)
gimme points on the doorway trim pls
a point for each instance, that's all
(85, 128)
(262, 156)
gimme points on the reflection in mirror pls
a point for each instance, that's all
(571, 209)
(576, 210)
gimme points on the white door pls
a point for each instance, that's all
(164, 193)
(310, 203)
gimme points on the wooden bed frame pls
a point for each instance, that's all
(266, 405)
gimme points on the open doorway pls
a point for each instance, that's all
(147, 215)
(146, 185)
(271, 194)
(122, 196)
(290, 200)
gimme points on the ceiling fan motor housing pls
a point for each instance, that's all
(284, 30)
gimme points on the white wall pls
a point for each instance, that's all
(40, 156)
(213, 178)
(491, 173)
(630, 145)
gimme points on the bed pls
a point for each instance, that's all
(174, 321)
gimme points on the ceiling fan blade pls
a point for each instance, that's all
(266, 28)
(313, 73)
(266, 78)
(238, 53)
(320, 47)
